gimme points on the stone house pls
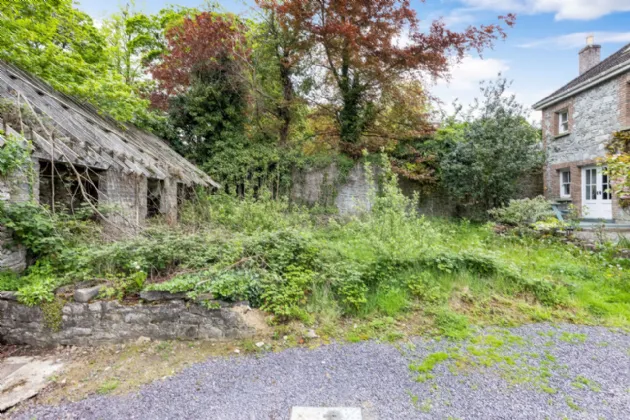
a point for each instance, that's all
(79, 155)
(578, 121)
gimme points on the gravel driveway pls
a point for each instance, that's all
(531, 372)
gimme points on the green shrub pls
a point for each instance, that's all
(37, 292)
(9, 281)
(284, 295)
(523, 213)
(426, 287)
(31, 226)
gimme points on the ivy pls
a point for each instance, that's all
(618, 164)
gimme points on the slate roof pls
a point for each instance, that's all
(620, 57)
(85, 137)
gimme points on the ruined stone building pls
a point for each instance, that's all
(578, 121)
(80, 156)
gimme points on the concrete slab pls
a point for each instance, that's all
(326, 413)
(22, 378)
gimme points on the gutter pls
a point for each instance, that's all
(615, 71)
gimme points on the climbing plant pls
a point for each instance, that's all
(618, 164)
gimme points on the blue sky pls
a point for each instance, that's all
(539, 55)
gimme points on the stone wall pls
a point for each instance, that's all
(317, 186)
(168, 200)
(105, 322)
(353, 195)
(126, 195)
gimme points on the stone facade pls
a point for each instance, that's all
(127, 194)
(590, 56)
(594, 115)
(88, 324)
(168, 201)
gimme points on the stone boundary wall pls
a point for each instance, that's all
(106, 322)
(313, 186)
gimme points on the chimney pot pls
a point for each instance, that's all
(590, 55)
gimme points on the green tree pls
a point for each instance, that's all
(55, 41)
(487, 151)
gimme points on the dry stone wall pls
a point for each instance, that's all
(105, 322)
(353, 195)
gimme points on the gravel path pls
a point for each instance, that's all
(531, 372)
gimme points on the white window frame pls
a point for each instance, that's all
(564, 183)
(563, 124)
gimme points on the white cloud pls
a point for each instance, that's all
(452, 18)
(472, 70)
(463, 84)
(563, 9)
(577, 39)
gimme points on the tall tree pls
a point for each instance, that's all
(59, 43)
(204, 42)
(488, 150)
(285, 47)
(136, 40)
(200, 83)
(368, 47)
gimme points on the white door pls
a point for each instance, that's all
(596, 194)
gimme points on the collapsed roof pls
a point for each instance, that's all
(84, 137)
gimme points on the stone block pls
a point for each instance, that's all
(136, 318)
(8, 296)
(95, 307)
(154, 296)
(85, 295)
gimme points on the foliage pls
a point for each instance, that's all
(386, 262)
(618, 166)
(59, 43)
(285, 295)
(14, 154)
(53, 315)
(32, 227)
(37, 292)
(484, 158)
(363, 61)
(524, 212)
(202, 44)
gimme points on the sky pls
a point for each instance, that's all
(539, 56)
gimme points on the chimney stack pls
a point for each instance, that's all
(590, 55)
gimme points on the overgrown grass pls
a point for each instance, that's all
(385, 267)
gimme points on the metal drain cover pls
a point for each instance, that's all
(326, 413)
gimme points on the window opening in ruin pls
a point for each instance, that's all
(69, 192)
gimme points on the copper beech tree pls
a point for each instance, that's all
(200, 44)
(369, 49)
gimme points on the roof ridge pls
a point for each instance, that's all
(609, 62)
